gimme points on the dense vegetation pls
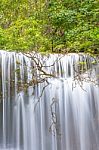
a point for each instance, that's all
(51, 25)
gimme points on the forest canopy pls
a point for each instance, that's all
(50, 25)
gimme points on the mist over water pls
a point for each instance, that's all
(65, 116)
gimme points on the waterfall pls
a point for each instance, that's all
(61, 113)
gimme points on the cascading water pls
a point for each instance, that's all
(65, 116)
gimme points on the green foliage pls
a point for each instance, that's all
(76, 24)
(21, 26)
(49, 25)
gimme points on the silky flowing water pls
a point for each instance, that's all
(65, 116)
